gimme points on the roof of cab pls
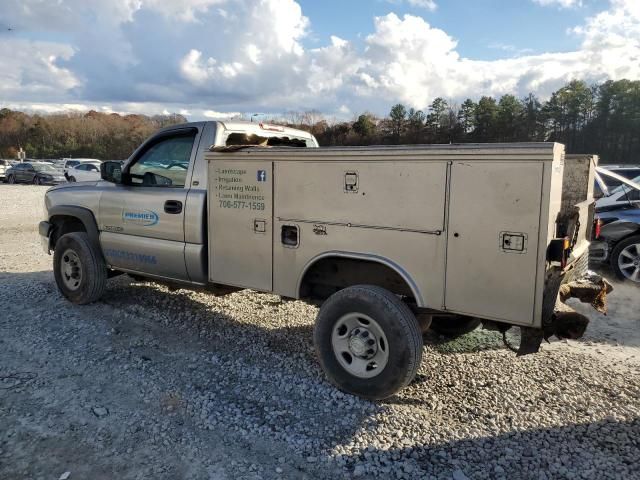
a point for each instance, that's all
(244, 126)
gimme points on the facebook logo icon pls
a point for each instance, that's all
(262, 175)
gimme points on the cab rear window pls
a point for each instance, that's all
(237, 138)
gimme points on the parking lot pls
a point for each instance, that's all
(153, 383)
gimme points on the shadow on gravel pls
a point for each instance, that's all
(603, 446)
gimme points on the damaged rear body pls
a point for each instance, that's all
(567, 274)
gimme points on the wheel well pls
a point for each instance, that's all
(64, 224)
(330, 274)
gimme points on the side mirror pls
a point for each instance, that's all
(111, 171)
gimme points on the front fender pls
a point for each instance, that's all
(84, 215)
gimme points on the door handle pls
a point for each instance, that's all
(173, 207)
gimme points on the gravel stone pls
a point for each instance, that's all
(227, 387)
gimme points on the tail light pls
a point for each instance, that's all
(597, 228)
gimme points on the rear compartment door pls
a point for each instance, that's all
(240, 229)
(492, 244)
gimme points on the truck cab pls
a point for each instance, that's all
(152, 221)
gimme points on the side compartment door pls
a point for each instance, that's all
(240, 223)
(492, 244)
(141, 221)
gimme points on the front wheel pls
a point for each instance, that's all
(80, 271)
(625, 259)
(36, 180)
(11, 179)
(72, 179)
(368, 341)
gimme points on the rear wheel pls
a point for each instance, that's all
(72, 179)
(454, 325)
(625, 259)
(80, 271)
(36, 180)
(368, 341)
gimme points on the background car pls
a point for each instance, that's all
(4, 164)
(34, 172)
(84, 172)
(626, 171)
(72, 162)
(619, 240)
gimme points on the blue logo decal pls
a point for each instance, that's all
(144, 218)
(130, 256)
(262, 175)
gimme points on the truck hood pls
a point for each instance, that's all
(63, 186)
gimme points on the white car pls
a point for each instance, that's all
(84, 172)
(69, 163)
(4, 164)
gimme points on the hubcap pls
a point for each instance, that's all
(360, 345)
(629, 262)
(71, 269)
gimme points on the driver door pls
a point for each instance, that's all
(142, 220)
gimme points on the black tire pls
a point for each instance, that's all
(36, 180)
(72, 179)
(92, 269)
(454, 326)
(615, 256)
(11, 179)
(400, 328)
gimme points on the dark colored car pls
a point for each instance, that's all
(36, 173)
(619, 239)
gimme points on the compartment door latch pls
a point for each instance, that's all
(351, 182)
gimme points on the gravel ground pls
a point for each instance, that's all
(152, 383)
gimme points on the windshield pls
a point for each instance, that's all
(43, 167)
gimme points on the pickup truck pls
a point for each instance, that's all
(391, 240)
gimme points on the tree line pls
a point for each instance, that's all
(602, 119)
(106, 136)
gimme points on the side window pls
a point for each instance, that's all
(165, 163)
(92, 168)
(80, 167)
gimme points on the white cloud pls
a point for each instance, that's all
(221, 115)
(154, 55)
(560, 3)
(32, 69)
(430, 5)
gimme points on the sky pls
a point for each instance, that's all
(221, 58)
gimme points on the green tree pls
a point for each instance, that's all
(485, 120)
(398, 120)
(365, 125)
(508, 117)
(415, 125)
(467, 116)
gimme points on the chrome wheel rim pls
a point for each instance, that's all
(71, 269)
(629, 262)
(360, 345)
